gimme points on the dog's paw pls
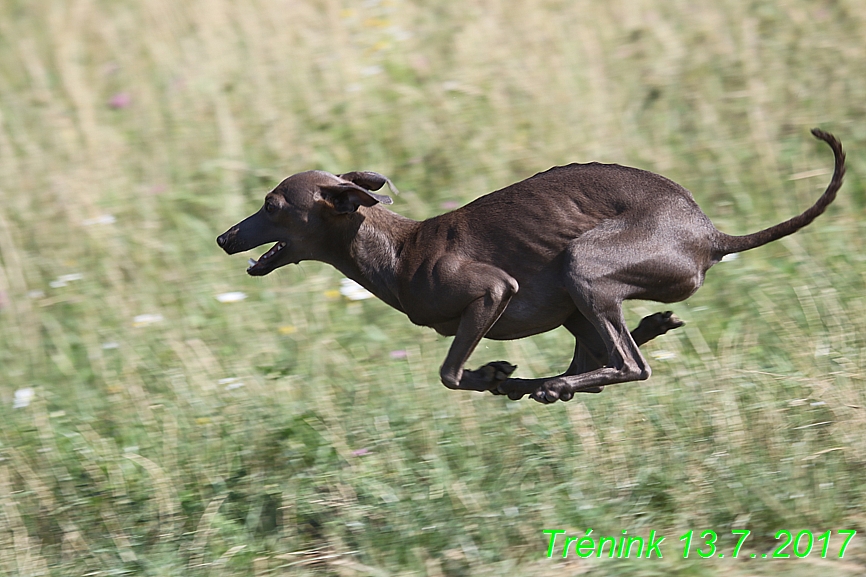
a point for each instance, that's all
(662, 322)
(658, 324)
(553, 392)
(496, 373)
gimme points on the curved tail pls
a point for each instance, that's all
(726, 244)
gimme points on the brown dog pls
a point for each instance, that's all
(563, 248)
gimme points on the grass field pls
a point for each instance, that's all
(151, 429)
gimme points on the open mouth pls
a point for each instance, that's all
(260, 266)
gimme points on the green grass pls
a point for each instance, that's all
(325, 455)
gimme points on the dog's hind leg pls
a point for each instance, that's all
(624, 362)
(605, 267)
(590, 352)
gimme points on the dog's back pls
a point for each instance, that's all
(544, 213)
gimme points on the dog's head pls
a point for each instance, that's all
(300, 215)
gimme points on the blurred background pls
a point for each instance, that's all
(165, 414)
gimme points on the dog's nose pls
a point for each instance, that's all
(221, 240)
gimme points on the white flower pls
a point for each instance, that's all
(353, 291)
(65, 279)
(101, 219)
(231, 383)
(146, 319)
(231, 297)
(23, 398)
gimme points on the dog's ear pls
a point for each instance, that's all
(369, 180)
(346, 197)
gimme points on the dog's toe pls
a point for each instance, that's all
(503, 369)
(496, 373)
(515, 395)
(546, 395)
(670, 321)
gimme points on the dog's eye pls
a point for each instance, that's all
(270, 207)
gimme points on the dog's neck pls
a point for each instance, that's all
(373, 252)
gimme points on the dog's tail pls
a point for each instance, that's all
(726, 244)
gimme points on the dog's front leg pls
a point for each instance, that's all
(477, 318)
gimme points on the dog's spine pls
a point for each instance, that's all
(726, 244)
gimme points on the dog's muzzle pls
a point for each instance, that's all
(226, 240)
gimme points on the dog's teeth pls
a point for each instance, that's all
(252, 262)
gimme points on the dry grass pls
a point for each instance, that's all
(277, 435)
